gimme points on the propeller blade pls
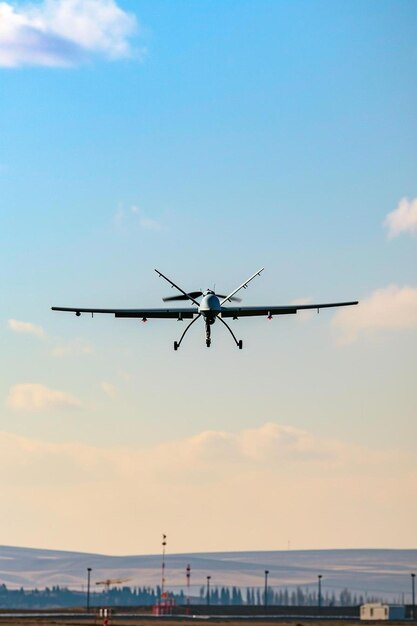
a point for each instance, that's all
(233, 298)
(192, 294)
(196, 294)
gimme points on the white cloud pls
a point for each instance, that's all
(26, 328)
(390, 308)
(77, 347)
(145, 222)
(403, 219)
(36, 397)
(135, 215)
(275, 439)
(63, 32)
(270, 447)
(60, 349)
(109, 390)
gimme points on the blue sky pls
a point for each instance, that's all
(208, 139)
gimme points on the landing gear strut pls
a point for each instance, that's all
(238, 343)
(178, 343)
(209, 322)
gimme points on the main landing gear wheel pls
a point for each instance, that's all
(240, 344)
(208, 343)
(176, 345)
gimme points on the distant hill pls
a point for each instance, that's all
(385, 573)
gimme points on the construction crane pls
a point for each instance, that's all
(111, 581)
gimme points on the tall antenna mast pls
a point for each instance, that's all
(164, 543)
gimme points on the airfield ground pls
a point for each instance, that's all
(146, 621)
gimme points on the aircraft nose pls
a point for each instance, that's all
(210, 302)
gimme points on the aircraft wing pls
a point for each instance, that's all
(249, 311)
(166, 313)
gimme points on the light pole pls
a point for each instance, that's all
(188, 576)
(208, 590)
(266, 590)
(413, 595)
(319, 592)
(88, 588)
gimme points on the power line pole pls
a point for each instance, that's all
(266, 590)
(188, 576)
(319, 592)
(88, 588)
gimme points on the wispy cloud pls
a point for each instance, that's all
(135, 215)
(36, 397)
(145, 222)
(210, 454)
(60, 348)
(27, 328)
(403, 219)
(390, 308)
(75, 347)
(251, 484)
(109, 390)
(270, 445)
(63, 32)
(119, 216)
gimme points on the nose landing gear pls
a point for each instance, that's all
(208, 333)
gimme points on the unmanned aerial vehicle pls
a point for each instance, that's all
(210, 308)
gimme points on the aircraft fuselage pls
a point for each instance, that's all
(210, 306)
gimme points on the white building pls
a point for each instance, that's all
(377, 610)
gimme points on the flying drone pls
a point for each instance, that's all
(211, 307)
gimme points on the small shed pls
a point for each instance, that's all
(378, 610)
